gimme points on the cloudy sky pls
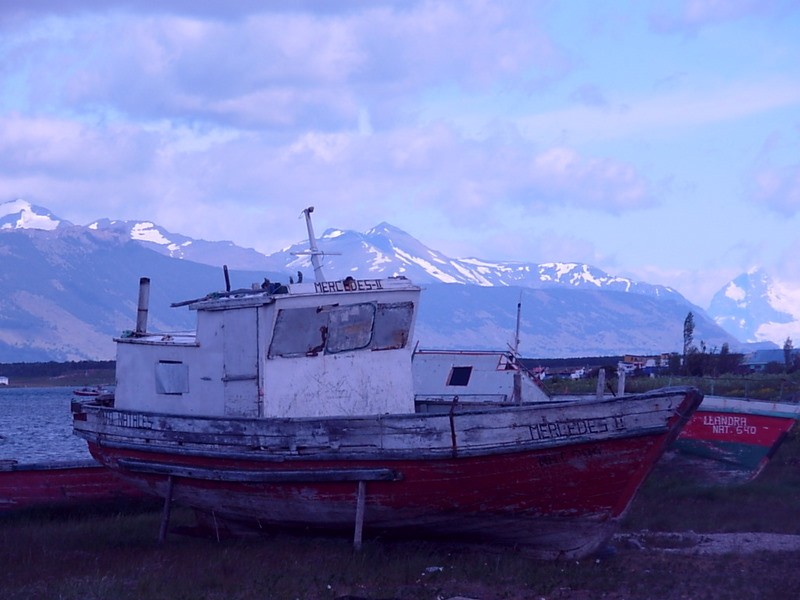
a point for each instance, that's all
(658, 140)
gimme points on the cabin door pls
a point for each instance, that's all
(240, 351)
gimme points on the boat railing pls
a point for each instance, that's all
(438, 403)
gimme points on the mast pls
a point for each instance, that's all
(312, 244)
(313, 251)
(517, 393)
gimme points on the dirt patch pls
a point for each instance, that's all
(689, 542)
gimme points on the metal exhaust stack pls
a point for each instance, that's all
(144, 301)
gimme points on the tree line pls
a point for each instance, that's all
(701, 361)
(54, 369)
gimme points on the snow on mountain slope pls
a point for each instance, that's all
(383, 251)
(180, 246)
(20, 214)
(171, 244)
(754, 307)
(66, 292)
(386, 250)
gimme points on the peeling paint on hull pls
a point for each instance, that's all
(62, 484)
(553, 478)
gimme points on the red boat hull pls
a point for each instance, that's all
(62, 484)
(529, 498)
(731, 440)
(555, 479)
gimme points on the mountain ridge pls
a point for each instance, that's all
(393, 250)
(86, 277)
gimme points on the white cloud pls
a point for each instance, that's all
(666, 114)
(224, 120)
(278, 68)
(602, 184)
(696, 285)
(778, 188)
(692, 15)
(162, 173)
(60, 147)
(789, 263)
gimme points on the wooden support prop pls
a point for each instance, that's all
(621, 382)
(601, 383)
(162, 532)
(360, 501)
(216, 525)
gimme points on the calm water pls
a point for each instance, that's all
(36, 426)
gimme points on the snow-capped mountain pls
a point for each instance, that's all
(754, 307)
(67, 290)
(180, 246)
(382, 251)
(386, 250)
(20, 214)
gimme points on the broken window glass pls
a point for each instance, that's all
(299, 332)
(333, 329)
(392, 324)
(350, 327)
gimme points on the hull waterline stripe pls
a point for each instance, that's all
(246, 476)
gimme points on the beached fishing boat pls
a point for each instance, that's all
(61, 484)
(731, 440)
(726, 440)
(294, 405)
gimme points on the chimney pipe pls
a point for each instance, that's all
(144, 301)
(227, 278)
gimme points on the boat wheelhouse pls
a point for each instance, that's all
(300, 350)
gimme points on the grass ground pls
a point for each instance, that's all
(46, 555)
(757, 386)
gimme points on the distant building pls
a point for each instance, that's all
(647, 365)
(3, 380)
(758, 360)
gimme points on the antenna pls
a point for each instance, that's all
(313, 251)
(517, 393)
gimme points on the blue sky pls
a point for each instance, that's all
(655, 140)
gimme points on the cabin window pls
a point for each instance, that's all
(299, 332)
(333, 329)
(172, 377)
(459, 376)
(392, 324)
(350, 327)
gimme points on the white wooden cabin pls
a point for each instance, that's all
(472, 376)
(317, 349)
